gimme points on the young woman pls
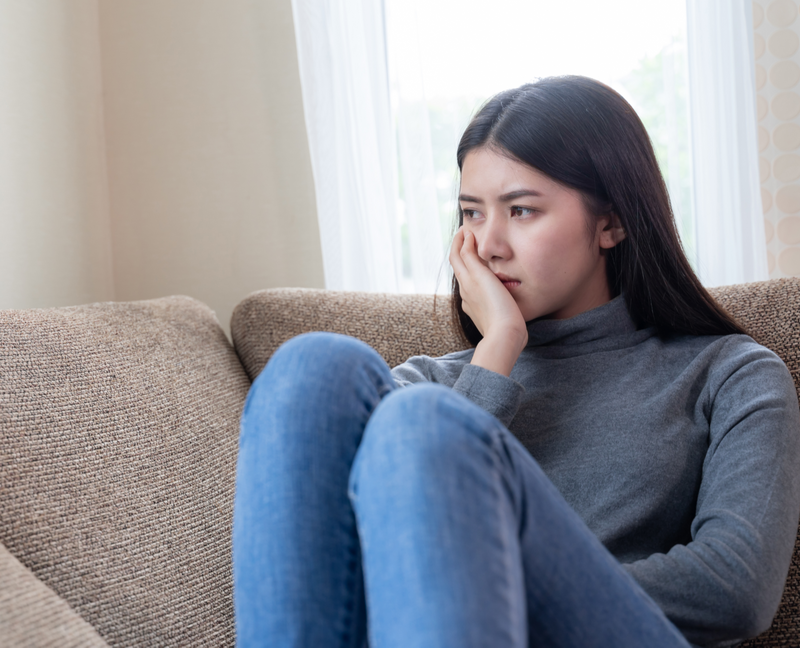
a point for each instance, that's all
(612, 464)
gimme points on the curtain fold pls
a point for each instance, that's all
(730, 241)
(419, 202)
(341, 48)
(365, 230)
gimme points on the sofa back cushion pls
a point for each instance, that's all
(396, 326)
(770, 312)
(118, 440)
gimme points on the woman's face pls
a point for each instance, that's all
(536, 236)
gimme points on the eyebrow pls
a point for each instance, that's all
(506, 197)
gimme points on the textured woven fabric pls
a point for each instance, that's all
(119, 427)
(31, 614)
(770, 311)
(399, 326)
(396, 326)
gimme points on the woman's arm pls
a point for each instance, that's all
(482, 374)
(496, 393)
(726, 584)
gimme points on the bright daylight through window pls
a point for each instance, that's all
(447, 57)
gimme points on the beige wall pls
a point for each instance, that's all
(777, 52)
(149, 148)
(55, 247)
(210, 178)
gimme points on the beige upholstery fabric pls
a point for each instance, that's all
(119, 427)
(32, 615)
(770, 311)
(397, 326)
(400, 326)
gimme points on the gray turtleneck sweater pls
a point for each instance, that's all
(681, 455)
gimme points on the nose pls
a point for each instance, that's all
(493, 239)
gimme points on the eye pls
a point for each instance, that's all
(522, 212)
(470, 214)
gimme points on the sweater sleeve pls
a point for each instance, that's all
(725, 585)
(497, 394)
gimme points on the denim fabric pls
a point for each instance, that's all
(462, 539)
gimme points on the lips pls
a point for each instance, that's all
(508, 282)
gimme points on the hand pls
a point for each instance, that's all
(490, 306)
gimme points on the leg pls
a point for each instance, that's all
(296, 557)
(467, 543)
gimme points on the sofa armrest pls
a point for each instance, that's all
(31, 614)
(119, 428)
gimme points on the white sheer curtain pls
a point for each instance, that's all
(353, 105)
(341, 49)
(418, 205)
(730, 225)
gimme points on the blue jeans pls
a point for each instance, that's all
(410, 515)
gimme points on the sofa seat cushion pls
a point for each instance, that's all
(119, 427)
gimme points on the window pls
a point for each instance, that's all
(446, 57)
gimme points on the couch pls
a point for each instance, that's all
(119, 426)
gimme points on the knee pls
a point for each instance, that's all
(320, 351)
(415, 410)
(426, 428)
(312, 361)
(315, 378)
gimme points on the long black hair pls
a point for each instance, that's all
(584, 135)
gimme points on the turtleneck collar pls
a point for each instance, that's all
(605, 324)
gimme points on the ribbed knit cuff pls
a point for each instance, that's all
(497, 394)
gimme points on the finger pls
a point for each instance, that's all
(468, 312)
(470, 246)
(459, 269)
(469, 253)
(455, 254)
(458, 242)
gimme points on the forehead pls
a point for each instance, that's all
(487, 171)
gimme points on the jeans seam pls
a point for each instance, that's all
(349, 586)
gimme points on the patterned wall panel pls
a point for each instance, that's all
(777, 52)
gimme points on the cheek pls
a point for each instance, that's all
(556, 251)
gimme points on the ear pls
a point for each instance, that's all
(609, 230)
